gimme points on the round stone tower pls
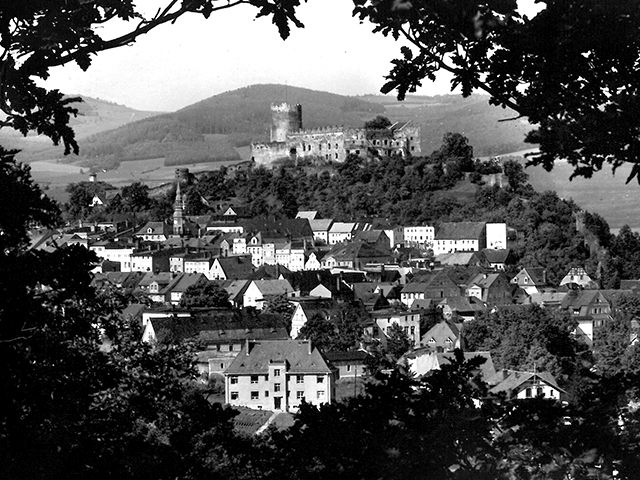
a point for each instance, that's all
(285, 118)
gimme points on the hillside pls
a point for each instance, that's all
(213, 129)
(94, 116)
(472, 116)
(210, 130)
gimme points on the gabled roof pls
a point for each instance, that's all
(464, 304)
(157, 228)
(270, 272)
(485, 280)
(415, 287)
(441, 331)
(308, 214)
(493, 255)
(371, 236)
(460, 231)
(354, 356)
(219, 327)
(236, 268)
(273, 287)
(456, 258)
(321, 224)
(162, 278)
(342, 227)
(186, 280)
(235, 288)
(514, 379)
(536, 274)
(299, 356)
(582, 298)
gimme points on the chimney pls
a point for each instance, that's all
(247, 346)
(310, 347)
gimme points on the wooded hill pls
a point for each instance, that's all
(212, 129)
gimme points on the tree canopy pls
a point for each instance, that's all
(570, 69)
(205, 294)
(37, 36)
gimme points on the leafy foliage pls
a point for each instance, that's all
(526, 338)
(398, 341)
(205, 294)
(37, 36)
(572, 77)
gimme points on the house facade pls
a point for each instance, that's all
(278, 375)
(459, 237)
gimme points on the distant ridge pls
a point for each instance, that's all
(213, 129)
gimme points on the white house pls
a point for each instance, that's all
(259, 291)
(114, 252)
(278, 375)
(408, 321)
(496, 235)
(419, 236)
(523, 385)
(341, 232)
(321, 228)
(459, 237)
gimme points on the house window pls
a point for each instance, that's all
(348, 368)
(276, 372)
(320, 379)
(266, 393)
(539, 392)
(413, 330)
(255, 395)
(233, 380)
(254, 378)
(299, 378)
(320, 394)
(276, 387)
(528, 393)
(299, 395)
(234, 395)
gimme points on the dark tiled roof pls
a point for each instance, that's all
(157, 228)
(514, 379)
(460, 230)
(496, 255)
(236, 268)
(295, 353)
(356, 355)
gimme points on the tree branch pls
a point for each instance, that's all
(477, 83)
(127, 38)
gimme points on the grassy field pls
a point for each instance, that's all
(604, 193)
(151, 171)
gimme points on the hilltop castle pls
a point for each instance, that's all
(289, 140)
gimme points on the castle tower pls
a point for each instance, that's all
(178, 210)
(285, 118)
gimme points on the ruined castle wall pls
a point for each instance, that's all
(409, 136)
(324, 143)
(267, 153)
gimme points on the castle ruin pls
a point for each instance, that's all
(289, 140)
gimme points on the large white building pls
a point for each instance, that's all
(278, 375)
(419, 236)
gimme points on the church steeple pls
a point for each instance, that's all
(178, 208)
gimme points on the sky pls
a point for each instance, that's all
(176, 65)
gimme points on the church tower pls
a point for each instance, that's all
(178, 210)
